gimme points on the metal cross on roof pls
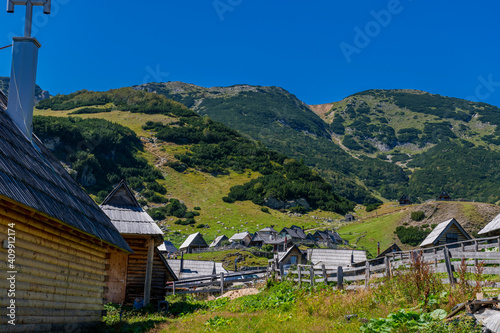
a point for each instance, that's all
(29, 11)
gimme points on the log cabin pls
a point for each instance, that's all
(143, 274)
(55, 240)
(492, 228)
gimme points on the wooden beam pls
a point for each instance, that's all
(149, 271)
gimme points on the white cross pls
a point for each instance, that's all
(29, 11)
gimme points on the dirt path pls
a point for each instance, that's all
(240, 292)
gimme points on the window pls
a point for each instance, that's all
(451, 237)
(293, 260)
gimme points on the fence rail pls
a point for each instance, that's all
(446, 258)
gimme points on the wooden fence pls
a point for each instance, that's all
(443, 259)
(213, 283)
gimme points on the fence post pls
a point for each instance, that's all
(476, 249)
(325, 278)
(498, 243)
(387, 267)
(367, 274)
(221, 283)
(173, 288)
(311, 272)
(300, 275)
(282, 272)
(340, 278)
(435, 258)
(449, 266)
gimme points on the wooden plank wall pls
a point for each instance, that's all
(60, 274)
(136, 272)
(116, 281)
(452, 229)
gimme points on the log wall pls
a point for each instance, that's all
(60, 277)
(136, 272)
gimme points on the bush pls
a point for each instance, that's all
(201, 225)
(372, 207)
(197, 208)
(433, 226)
(411, 235)
(265, 210)
(228, 199)
(425, 226)
(417, 216)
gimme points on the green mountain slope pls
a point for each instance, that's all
(440, 142)
(188, 170)
(283, 123)
(373, 144)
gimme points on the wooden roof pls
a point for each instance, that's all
(282, 256)
(441, 229)
(240, 236)
(126, 213)
(494, 225)
(32, 176)
(333, 258)
(393, 248)
(167, 246)
(194, 268)
(218, 240)
(194, 240)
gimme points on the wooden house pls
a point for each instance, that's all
(294, 234)
(194, 241)
(329, 238)
(268, 236)
(492, 228)
(349, 218)
(445, 233)
(144, 274)
(393, 248)
(444, 196)
(293, 256)
(62, 240)
(167, 248)
(242, 238)
(218, 241)
(404, 200)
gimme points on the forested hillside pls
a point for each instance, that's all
(369, 145)
(111, 151)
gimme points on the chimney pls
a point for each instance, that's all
(23, 72)
(22, 83)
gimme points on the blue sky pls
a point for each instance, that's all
(321, 51)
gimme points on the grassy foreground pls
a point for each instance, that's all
(414, 300)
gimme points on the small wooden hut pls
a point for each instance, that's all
(393, 248)
(218, 241)
(242, 238)
(144, 274)
(404, 200)
(444, 196)
(293, 256)
(445, 233)
(62, 240)
(194, 241)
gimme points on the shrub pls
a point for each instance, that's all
(197, 208)
(201, 225)
(228, 199)
(264, 209)
(433, 226)
(372, 207)
(411, 235)
(417, 216)
(425, 225)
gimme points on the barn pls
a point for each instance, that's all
(143, 274)
(57, 238)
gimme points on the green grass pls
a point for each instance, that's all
(228, 256)
(368, 232)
